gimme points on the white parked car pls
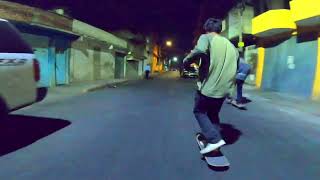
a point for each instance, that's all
(19, 71)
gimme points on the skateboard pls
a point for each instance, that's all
(214, 158)
(233, 103)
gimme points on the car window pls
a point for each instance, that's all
(11, 41)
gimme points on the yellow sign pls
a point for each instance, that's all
(240, 44)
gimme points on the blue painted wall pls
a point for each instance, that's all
(53, 55)
(62, 56)
(40, 45)
(278, 76)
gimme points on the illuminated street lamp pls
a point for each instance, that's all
(169, 43)
(175, 59)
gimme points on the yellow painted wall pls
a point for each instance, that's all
(260, 64)
(305, 9)
(316, 85)
(155, 66)
(273, 22)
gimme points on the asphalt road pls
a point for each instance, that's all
(145, 130)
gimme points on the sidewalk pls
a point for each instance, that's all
(284, 100)
(59, 93)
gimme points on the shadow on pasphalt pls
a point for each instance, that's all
(230, 133)
(21, 131)
(246, 100)
(219, 169)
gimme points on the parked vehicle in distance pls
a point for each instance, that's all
(190, 72)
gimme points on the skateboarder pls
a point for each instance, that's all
(242, 74)
(217, 83)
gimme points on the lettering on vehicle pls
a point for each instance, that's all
(12, 62)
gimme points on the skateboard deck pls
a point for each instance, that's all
(232, 102)
(214, 158)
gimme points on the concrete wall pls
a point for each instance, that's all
(132, 70)
(265, 5)
(140, 68)
(276, 4)
(91, 31)
(91, 60)
(89, 57)
(290, 67)
(251, 57)
(107, 65)
(27, 14)
(81, 63)
(233, 27)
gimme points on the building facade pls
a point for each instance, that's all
(289, 53)
(49, 38)
(73, 51)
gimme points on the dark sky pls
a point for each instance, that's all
(174, 19)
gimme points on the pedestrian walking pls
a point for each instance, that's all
(147, 71)
(216, 83)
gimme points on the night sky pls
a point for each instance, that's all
(179, 20)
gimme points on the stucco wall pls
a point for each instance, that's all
(27, 14)
(91, 60)
(81, 64)
(290, 67)
(132, 69)
(233, 20)
(91, 31)
(107, 65)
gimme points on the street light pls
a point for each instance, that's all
(169, 43)
(175, 59)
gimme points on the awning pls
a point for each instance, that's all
(135, 58)
(44, 30)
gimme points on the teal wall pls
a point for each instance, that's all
(278, 76)
(53, 55)
(40, 45)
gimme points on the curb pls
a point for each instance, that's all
(102, 86)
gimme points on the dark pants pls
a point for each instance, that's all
(147, 74)
(206, 111)
(239, 90)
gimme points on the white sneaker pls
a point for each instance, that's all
(200, 142)
(239, 105)
(212, 147)
(229, 100)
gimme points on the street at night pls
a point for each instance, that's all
(145, 130)
(161, 90)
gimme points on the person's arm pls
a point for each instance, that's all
(200, 49)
